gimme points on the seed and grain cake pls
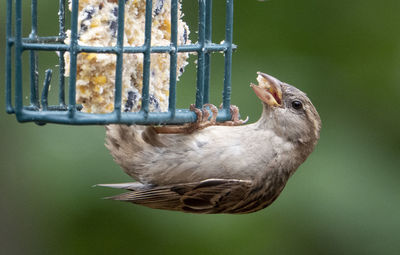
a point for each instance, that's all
(97, 26)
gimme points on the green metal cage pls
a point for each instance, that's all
(69, 112)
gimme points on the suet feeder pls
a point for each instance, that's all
(38, 109)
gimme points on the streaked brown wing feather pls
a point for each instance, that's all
(208, 196)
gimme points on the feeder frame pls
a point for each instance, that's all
(40, 112)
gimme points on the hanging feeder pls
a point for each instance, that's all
(70, 112)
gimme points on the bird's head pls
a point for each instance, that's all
(287, 111)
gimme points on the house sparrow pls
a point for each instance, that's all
(219, 169)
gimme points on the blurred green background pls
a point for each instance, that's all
(344, 200)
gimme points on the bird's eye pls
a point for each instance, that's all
(297, 105)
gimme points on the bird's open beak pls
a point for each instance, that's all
(268, 89)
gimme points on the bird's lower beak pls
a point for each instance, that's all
(268, 89)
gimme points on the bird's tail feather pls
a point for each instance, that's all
(126, 185)
(153, 197)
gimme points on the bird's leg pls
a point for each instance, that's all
(201, 122)
(214, 111)
(235, 121)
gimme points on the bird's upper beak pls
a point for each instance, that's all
(268, 89)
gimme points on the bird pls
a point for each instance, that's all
(218, 169)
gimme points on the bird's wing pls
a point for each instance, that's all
(208, 196)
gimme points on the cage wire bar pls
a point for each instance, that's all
(42, 113)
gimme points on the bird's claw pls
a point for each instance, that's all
(235, 121)
(203, 120)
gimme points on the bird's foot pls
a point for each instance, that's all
(201, 122)
(235, 121)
